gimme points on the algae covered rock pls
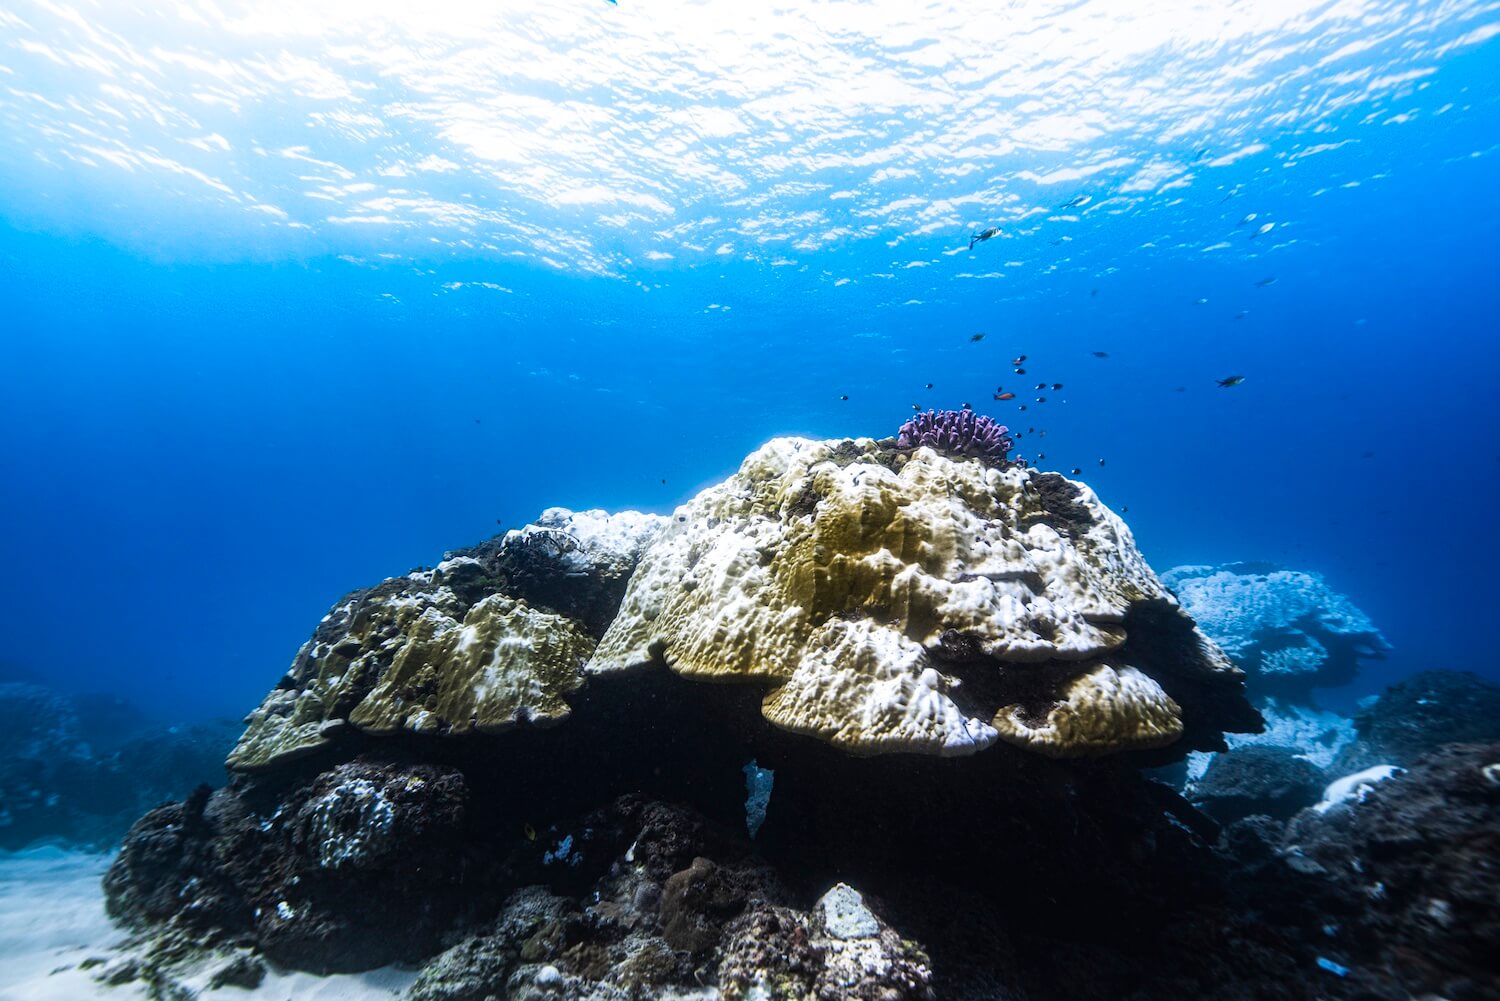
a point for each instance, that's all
(899, 600)
(491, 637)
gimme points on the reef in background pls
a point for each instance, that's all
(78, 770)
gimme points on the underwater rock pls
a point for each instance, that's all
(1257, 780)
(914, 602)
(1421, 712)
(1413, 863)
(1287, 629)
(490, 638)
(295, 881)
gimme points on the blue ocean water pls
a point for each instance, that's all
(295, 300)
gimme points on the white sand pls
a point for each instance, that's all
(52, 918)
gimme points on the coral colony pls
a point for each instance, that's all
(958, 432)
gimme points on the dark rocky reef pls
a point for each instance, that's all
(1419, 713)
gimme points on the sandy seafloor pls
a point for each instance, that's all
(52, 918)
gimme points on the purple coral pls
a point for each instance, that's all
(958, 432)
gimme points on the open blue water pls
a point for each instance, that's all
(295, 300)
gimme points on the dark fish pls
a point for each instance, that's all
(928, 386)
(476, 420)
(1076, 471)
(845, 397)
(1005, 396)
(1056, 386)
(1101, 462)
(915, 406)
(1040, 456)
(1018, 360)
(1233, 380)
(1099, 354)
(1041, 399)
(664, 481)
(988, 234)
(976, 338)
(1093, 291)
(1020, 371)
(1023, 406)
(1266, 281)
(1041, 385)
(966, 407)
(1124, 509)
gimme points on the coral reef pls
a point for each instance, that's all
(79, 770)
(438, 781)
(1287, 629)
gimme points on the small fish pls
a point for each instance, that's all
(928, 386)
(1101, 463)
(1075, 471)
(1248, 219)
(530, 832)
(1040, 456)
(1093, 291)
(1042, 434)
(844, 397)
(1367, 455)
(1233, 380)
(916, 406)
(976, 338)
(1263, 230)
(1041, 399)
(1266, 281)
(664, 481)
(1242, 314)
(1033, 431)
(1077, 203)
(1005, 396)
(966, 406)
(1022, 407)
(988, 234)
(1099, 354)
(1041, 385)
(1200, 302)
(1124, 509)
(1018, 360)
(476, 420)
(1056, 386)
(1020, 371)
